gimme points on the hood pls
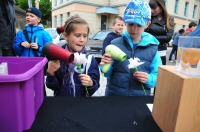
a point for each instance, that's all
(34, 28)
(148, 39)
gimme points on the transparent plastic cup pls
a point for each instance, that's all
(188, 55)
(4, 68)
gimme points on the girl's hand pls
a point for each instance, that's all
(86, 80)
(34, 46)
(53, 66)
(141, 76)
(25, 45)
(106, 58)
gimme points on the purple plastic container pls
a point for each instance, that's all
(21, 92)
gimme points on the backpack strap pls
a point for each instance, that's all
(27, 39)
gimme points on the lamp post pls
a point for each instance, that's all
(29, 3)
(37, 2)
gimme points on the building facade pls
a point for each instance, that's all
(20, 18)
(99, 14)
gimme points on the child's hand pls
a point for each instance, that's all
(141, 76)
(106, 58)
(25, 44)
(53, 66)
(34, 46)
(86, 80)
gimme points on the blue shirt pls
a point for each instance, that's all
(175, 41)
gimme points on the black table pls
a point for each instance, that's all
(94, 114)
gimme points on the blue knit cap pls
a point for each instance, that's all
(138, 12)
(35, 11)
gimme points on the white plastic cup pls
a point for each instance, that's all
(4, 68)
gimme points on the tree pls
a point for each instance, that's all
(23, 4)
(44, 6)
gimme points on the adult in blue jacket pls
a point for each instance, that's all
(136, 44)
(29, 42)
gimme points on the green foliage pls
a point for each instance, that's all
(44, 6)
(23, 4)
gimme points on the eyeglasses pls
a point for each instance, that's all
(132, 24)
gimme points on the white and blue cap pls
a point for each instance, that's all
(138, 12)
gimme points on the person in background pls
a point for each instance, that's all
(190, 29)
(174, 35)
(60, 40)
(196, 32)
(118, 27)
(30, 41)
(64, 78)
(175, 44)
(7, 27)
(135, 43)
(60, 31)
(161, 26)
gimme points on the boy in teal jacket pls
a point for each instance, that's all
(136, 44)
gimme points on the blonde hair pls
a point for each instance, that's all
(117, 18)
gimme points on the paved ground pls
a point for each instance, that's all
(101, 90)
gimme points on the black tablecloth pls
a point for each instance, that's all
(95, 114)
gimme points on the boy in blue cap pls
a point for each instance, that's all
(29, 42)
(136, 44)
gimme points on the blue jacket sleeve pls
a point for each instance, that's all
(152, 77)
(19, 38)
(46, 38)
(106, 42)
(52, 82)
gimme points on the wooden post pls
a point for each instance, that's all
(176, 105)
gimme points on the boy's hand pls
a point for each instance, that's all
(34, 46)
(86, 80)
(53, 66)
(141, 76)
(106, 58)
(25, 44)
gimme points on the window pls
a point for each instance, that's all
(68, 14)
(55, 21)
(184, 26)
(165, 2)
(176, 6)
(61, 19)
(194, 11)
(55, 3)
(61, 1)
(174, 25)
(186, 8)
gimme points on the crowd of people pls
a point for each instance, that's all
(148, 32)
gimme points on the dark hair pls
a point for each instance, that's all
(117, 18)
(192, 24)
(60, 29)
(181, 31)
(161, 3)
(71, 23)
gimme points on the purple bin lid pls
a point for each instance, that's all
(22, 68)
